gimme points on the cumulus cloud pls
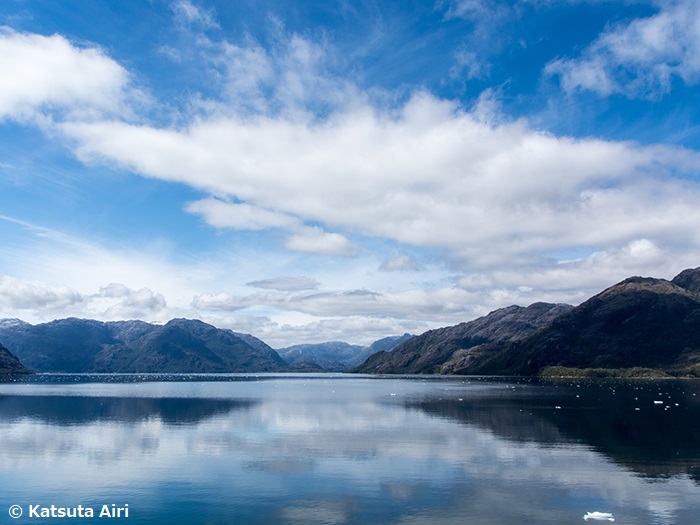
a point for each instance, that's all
(50, 73)
(114, 301)
(250, 217)
(129, 304)
(315, 240)
(640, 58)
(429, 174)
(20, 294)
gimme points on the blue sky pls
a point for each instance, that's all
(347, 170)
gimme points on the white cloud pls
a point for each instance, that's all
(469, 65)
(240, 216)
(362, 330)
(17, 294)
(248, 217)
(286, 284)
(430, 174)
(48, 73)
(114, 301)
(188, 13)
(639, 58)
(434, 304)
(130, 304)
(289, 75)
(315, 240)
(221, 301)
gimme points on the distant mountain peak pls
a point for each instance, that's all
(337, 356)
(689, 280)
(12, 323)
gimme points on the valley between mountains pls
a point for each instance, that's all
(640, 326)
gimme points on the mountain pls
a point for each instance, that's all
(181, 345)
(639, 322)
(9, 364)
(386, 344)
(689, 280)
(331, 356)
(68, 345)
(336, 356)
(458, 349)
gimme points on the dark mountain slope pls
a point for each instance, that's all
(9, 364)
(640, 322)
(460, 348)
(81, 345)
(66, 345)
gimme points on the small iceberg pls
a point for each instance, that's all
(599, 516)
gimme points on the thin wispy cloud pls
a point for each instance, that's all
(640, 58)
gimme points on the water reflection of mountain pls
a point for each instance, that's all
(649, 427)
(74, 410)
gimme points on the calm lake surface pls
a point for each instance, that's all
(345, 449)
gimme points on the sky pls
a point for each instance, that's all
(343, 170)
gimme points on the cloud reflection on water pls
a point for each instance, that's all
(294, 453)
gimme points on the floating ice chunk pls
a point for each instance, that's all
(658, 402)
(599, 516)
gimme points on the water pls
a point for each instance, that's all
(338, 449)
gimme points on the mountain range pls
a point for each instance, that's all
(639, 322)
(337, 356)
(180, 346)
